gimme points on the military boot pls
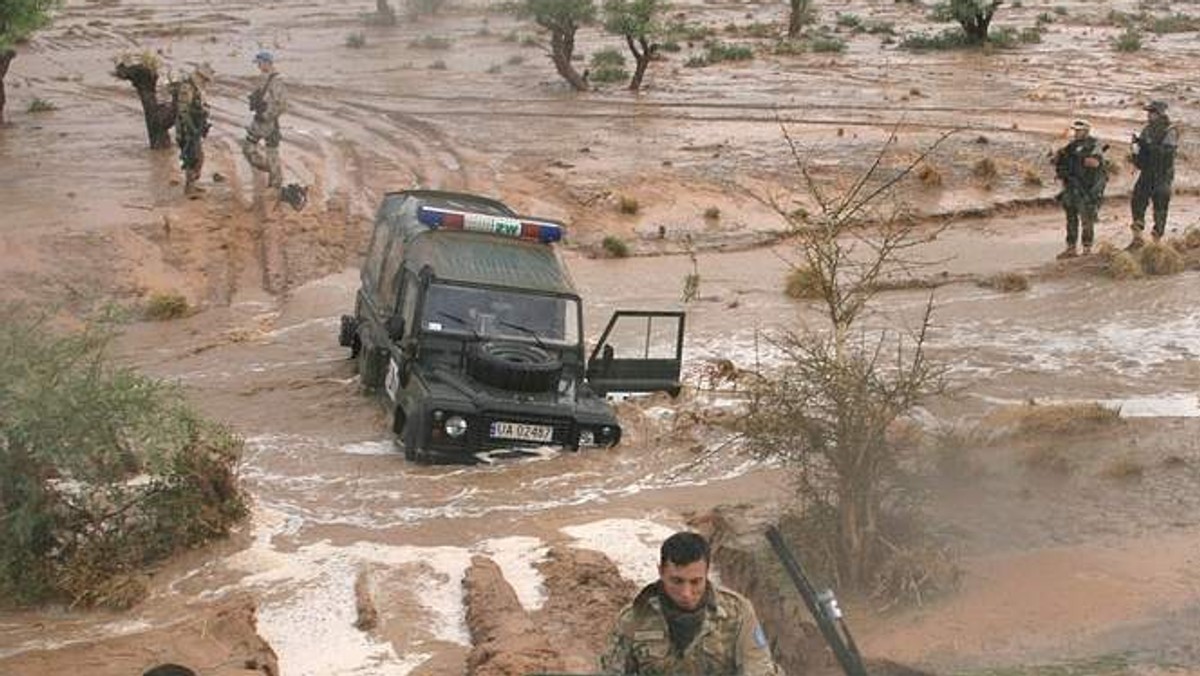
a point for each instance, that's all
(1069, 252)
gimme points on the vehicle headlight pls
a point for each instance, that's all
(455, 426)
(607, 435)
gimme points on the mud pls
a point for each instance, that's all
(356, 561)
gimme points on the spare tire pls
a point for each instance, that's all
(514, 366)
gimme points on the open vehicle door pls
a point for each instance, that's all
(639, 351)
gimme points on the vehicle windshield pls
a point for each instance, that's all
(497, 313)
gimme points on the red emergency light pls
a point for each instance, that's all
(520, 227)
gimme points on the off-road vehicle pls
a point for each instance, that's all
(470, 331)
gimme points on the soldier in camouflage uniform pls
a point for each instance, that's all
(268, 101)
(1154, 155)
(1080, 167)
(683, 625)
(191, 125)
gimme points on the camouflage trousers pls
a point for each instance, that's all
(1145, 193)
(191, 154)
(265, 158)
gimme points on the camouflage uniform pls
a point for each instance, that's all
(1154, 156)
(1083, 186)
(268, 101)
(729, 641)
(191, 126)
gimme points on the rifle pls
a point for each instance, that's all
(824, 609)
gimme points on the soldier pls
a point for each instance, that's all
(685, 625)
(268, 101)
(1080, 167)
(191, 125)
(1154, 155)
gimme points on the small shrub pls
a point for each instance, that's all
(691, 287)
(1044, 18)
(494, 69)
(163, 306)
(985, 169)
(802, 283)
(438, 65)
(1030, 36)
(880, 28)
(423, 7)
(627, 204)
(41, 106)
(929, 176)
(530, 41)
(950, 38)
(511, 36)
(1040, 420)
(787, 47)
(1030, 177)
(1047, 458)
(432, 42)
(515, 60)
(608, 65)
(1191, 238)
(1125, 468)
(717, 52)
(1175, 23)
(356, 40)
(823, 44)
(614, 247)
(1129, 41)
(1007, 282)
(1157, 259)
(851, 21)
(1060, 10)
(1121, 265)
(712, 214)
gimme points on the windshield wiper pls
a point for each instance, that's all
(523, 329)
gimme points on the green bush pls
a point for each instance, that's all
(1175, 23)
(615, 247)
(162, 306)
(432, 42)
(356, 40)
(949, 38)
(103, 472)
(828, 43)
(1129, 41)
(608, 65)
(41, 106)
(717, 51)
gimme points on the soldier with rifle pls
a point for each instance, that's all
(1153, 153)
(268, 101)
(1080, 167)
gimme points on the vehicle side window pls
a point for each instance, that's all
(408, 299)
(388, 282)
(375, 254)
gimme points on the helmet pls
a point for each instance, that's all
(264, 57)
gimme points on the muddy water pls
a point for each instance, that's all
(333, 497)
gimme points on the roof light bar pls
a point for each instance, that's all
(521, 228)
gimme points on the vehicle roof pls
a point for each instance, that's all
(398, 211)
(490, 260)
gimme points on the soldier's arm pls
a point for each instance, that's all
(276, 99)
(618, 655)
(753, 647)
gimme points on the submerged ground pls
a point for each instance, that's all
(1093, 566)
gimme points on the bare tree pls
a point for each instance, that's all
(141, 70)
(827, 411)
(563, 19)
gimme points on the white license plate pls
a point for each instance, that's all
(521, 431)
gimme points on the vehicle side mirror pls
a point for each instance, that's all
(395, 327)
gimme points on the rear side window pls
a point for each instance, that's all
(388, 282)
(375, 254)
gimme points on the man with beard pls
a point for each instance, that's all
(1154, 156)
(686, 626)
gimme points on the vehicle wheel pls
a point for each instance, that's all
(372, 362)
(514, 366)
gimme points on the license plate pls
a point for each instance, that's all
(522, 431)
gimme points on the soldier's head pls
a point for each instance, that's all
(683, 569)
(1155, 109)
(1081, 128)
(265, 61)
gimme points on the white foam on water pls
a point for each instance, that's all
(370, 448)
(632, 544)
(107, 630)
(517, 557)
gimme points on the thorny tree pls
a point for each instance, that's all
(563, 19)
(142, 70)
(636, 21)
(18, 19)
(801, 13)
(829, 409)
(975, 16)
